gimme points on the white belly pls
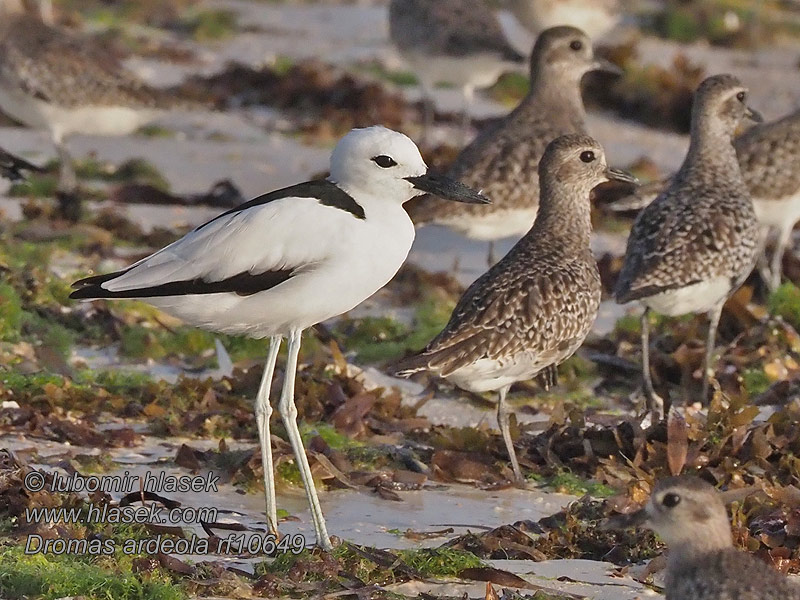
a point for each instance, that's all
(62, 121)
(493, 226)
(474, 71)
(698, 298)
(780, 214)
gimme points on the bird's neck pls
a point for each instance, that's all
(563, 94)
(712, 538)
(564, 216)
(711, 151)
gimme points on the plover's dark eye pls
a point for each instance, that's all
(740, 96)
(576, 45)
(671, 500)
(587, 156)
(384, 161)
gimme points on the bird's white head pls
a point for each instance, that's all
(384, 165)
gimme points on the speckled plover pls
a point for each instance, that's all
(702, 564)
(769, 157)
(12, 167)
(287, 260)
(502, 161)
(595, 17)
(533, 309)
(65, 84)
(696, 243)
(460, 42)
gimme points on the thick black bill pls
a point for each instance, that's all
(606, 66)
(620, 175)
(635, 519)
(753, 115)
(447, 188)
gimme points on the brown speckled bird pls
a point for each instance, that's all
(60, 82)
(502, 161)
(460, 42)
(696, 243)
(689, 515)
(533, 309)
(769, 158)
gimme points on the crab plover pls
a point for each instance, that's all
(533, 309)
(12, 167)
(502, 161)
(287, 260)
(460, 42)
(702, 564)
(769, 158)
(65, 84)
(696, 243)
(595, 17)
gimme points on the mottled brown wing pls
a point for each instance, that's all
(462, 28)
(686, 236)
(503, 162)
(57, 67)
(503, 315)
(769, 156)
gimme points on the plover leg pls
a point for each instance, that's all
(263, 413)
(653, 402)
(67, 179)
(288, 412)
(466, 116)
(491, 258)
(776, 266)
(503, 416)
(713, 322)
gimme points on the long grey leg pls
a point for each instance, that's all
(776, 265)
(67, 179)
(466, 116)
(289, 414)
(713, 322)
(654, 402)
(502, 421)
(263, 413)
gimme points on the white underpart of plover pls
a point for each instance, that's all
(533, 309)
(595, 17)
(769, 158)
(460, 42)
(695, 244)
(287, 260)
(502, 161)
(63, 83)
(702, 563)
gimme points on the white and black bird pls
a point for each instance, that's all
(287, 260)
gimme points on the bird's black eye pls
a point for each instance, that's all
(384, 161)
(576, 45)
(671, 500)
(587, 156)
(740, 96)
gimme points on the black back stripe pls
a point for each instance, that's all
(326, 192)
(243, 284)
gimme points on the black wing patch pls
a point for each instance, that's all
(11, 167)
(326, 192)
(243, 284)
